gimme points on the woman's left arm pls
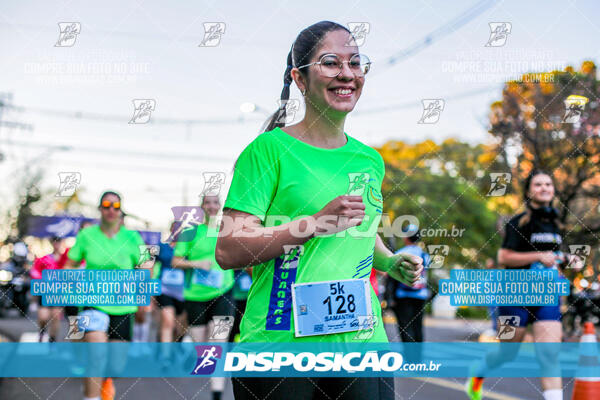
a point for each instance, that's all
(405, 268)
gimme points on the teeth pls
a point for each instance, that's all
(343, 91)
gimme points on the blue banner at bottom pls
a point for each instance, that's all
(67, 359)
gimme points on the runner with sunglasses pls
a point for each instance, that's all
(207, 287)
(108, 245)
(326, 182)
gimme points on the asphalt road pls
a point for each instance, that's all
(198, 388)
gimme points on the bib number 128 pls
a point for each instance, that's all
(338, 298)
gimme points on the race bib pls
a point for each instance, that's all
(212, 278)
(172, 277)
(324, 308)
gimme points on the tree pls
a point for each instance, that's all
(28, 196)
(533, 131)
(444, 186)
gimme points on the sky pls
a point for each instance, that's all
(128, 50)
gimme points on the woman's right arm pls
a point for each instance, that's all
(243, 241)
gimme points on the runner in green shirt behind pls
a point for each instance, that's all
(207, 288)
(106, 246)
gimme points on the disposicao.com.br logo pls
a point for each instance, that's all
(371, 361)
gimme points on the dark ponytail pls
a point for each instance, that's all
(302, 50)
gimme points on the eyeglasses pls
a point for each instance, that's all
(115, 204)
(330, 65)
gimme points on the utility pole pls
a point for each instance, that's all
(5, 104)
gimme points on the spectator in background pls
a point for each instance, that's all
(173, 322)
(48, 317)
(71, 311)
(409, 301)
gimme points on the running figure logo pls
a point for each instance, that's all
(574, 108)
(358, 183)
(367, 325)
(507, 325)
(77, 326)
(212, 34)
(498, 34)
(291, 255)
(290, 107)
(432, 109)
(148, 254)
(68, 33)
(142, 110)
(581, 253)
(359, 32)
(213, 181)
(68, 183)
(500, 181)
(186, 220)
(438, 253)
(207, 359)
(222, 325)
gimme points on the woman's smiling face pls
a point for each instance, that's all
(338, 94)
(541, 189)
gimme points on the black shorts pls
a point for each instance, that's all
(201, 312)
(120, 327)
(167, 301)
(314, 388)
(71, 311)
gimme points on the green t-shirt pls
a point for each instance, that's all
(278, 174)
(200, 285)
(122, 251)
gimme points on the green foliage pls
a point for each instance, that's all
(448, 206)
(530, 120)
(472, 312)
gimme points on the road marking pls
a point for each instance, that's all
(30, 337)
(461, 388)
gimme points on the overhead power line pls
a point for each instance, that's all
(437, 34)
(124, 119)
(416, 104)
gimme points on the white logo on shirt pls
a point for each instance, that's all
(545, 238)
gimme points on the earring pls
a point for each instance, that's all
(303, 92)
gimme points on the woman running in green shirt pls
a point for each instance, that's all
(106, 246)
(206, 289)
(309, 196)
